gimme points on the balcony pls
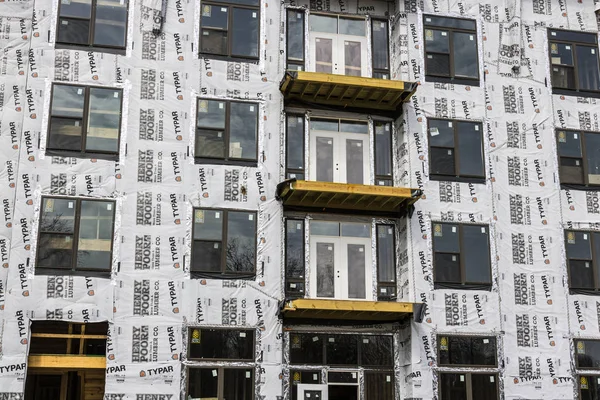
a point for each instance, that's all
(348, 93)
(385, 201)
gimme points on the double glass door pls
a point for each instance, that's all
(340, 261)
(338, 45)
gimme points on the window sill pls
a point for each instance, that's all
(576, 186)
(109, 50)
(67, 272)
(222, 276)
(75, 154)
(575, 93)
(249, 60)
(462, 286)
(212, 161)
(447, 178)
(454, 81)
(586, 292)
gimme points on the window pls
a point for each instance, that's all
(468, 386)
(456, 150)
(224, 381)
(55, 346)
(579, 157)
(589, 387)
(226, 132)
(343, 247)
(587, 354)
(451, 50)
(582, 261)
(339, 150)
(221, 344)
(461, 256)
(99, 25)
(467, 351)
(295, 40)
(221, 383)
(380, 45)
(230, 28)
(224, 244)
(75, 237)
(574, 60)
(84, 121)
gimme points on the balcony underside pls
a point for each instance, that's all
(346, 198)
(347, 310)
(348, 93)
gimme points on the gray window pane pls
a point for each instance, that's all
(453, 386)
(465, 55)
(383, 149)
(356, 271)
(295, 142)
(243, 2)
(73, 31)
(441, 133)
(242, 130)
(203, 382)
(65, 134)
(245, 32)
(323, 228)
(459, 23)
(211, 114)
(377, 350)
(349, 26)
(437, 64)
(213, 42)
(104, 120)
(353, 229)
(295, 35)
(55, 251)
(380, 44)
(563, 77)
(354, 127)
(437, 41)
(447, 268)
(484, 385)
(210, 144)
(206, 256)
(57, 215)
(446, 238)
(324, 55)
(569, 144)
(352, 58)
(111, 24)
(214, 17)
(470, 144)
(324, 159)
(581, 274)
(239, 384)
(578, 245)
(324, 125)
(294, 248)
(208, 225)
(476, 254)
(321, 23)
(92, 259)
(67, 101)
(386, 261)
(561, 54)
(325, 270)
(442, 161)
(95, 243)
(587, 68)
(241, 241)
(354, 161)
(78, 8)
(592, 149)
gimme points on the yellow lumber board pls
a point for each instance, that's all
(66, 361)
(352, 188)
(348, 305)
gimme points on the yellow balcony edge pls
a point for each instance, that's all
(353, 188)
(348, 305)
(319, 77)
(66, 361)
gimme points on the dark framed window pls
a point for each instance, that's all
(461, 256)
(384, 167)
(295, 40)
(451, 50)
(298, 376)
(230, 29)
(75, 237)
(579, 158)
(96, 25)
(456, 151)
(223, 244)
(589, 387)
(221, 344)
(369, 351)
(574, 59)
(294, 258)
(587, 354)
(380, 45)
(221, 383)
(226, 132)
(468, 386)
(295, 146)
(386, 262)
(85, 121)
(472, 351)
(583, 249)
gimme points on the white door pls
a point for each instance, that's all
(312, 392)
(340, 266)
(334, 52)
(339, 157)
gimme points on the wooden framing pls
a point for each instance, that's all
(346, 310)
(67, 362)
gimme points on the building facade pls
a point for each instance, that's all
(244, 199)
